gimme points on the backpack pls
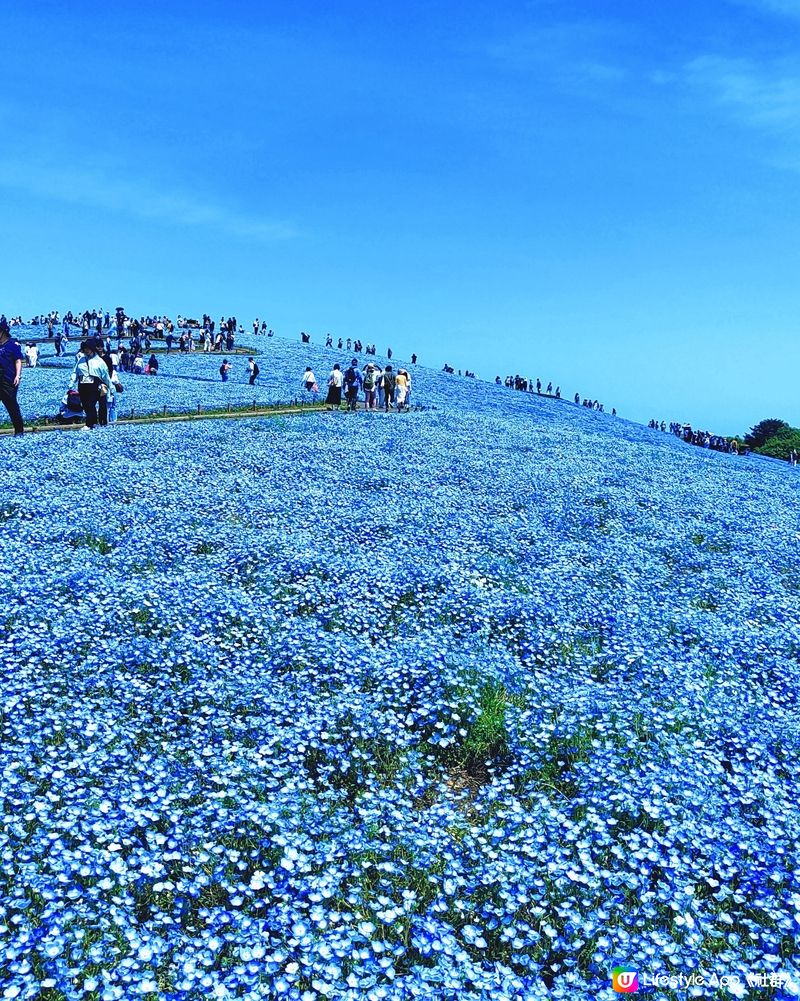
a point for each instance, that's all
(350, 377)
(256, 369)
(369, 380)
(222, 370)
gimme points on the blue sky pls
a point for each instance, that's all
(605, 195)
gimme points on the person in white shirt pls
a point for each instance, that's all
(335, 383)
(92, 377)
(310, 382)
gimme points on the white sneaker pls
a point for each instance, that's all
(86, 428)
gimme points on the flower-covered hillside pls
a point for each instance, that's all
(188, 380)
(470, 703)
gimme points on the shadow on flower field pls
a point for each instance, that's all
(472, 703)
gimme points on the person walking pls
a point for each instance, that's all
(10, 374)
(93, 380)
(335, 382)
(310, 382)
(402, 386)
(105, 398)
(352, 382)
(379, 386)
(253, 370)
(389, 386)
(370, 383)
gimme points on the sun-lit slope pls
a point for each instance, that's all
(468, 703)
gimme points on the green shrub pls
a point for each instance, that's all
(781, 444)
(763, 431)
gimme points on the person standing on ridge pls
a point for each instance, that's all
(10, 374)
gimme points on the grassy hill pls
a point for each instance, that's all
(476, 702)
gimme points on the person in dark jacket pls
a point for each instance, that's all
(389, 384)
(352, 383)
(10, 373)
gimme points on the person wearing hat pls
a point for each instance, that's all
(11, 356)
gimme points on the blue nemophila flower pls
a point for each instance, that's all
(344, 709)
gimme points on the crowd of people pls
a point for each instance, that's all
(208, 340)
(95, 385)
(703, 439)
(523, 385)
(383, 387)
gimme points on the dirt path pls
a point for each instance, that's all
(289, 410)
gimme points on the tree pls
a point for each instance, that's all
(763, 430)
(781, 444)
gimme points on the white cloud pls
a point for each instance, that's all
(765, 96)
(99, 189)
(572, 54)
(783, 8)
